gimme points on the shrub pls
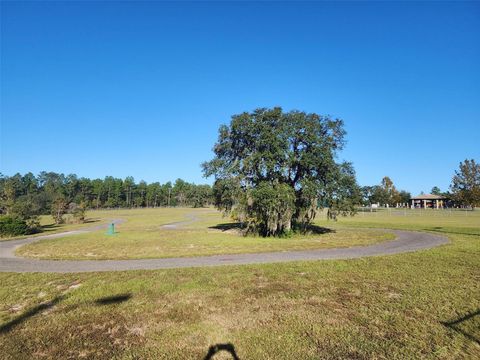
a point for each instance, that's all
(79, 213)
(11, 226)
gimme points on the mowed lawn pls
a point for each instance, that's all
(49, 227)
(408, 306)
(194, 232)
(436, 221)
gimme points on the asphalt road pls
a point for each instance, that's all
(406, 241)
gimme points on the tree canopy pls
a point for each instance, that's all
(466, 184)
(274, 169)
(385, 194)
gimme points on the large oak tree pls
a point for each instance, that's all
(274, 169)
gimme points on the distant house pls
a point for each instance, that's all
(429, 201)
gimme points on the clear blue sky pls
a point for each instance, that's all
(141, 88)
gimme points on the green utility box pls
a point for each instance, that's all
(111, 229)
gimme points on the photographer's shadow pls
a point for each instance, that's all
(221, 347)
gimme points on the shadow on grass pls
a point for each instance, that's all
(109, 300)
(52, 227)
(212, 350)
(115, 299)
(454, 325)
(92, 220)
(227, 226)
(447, 231)
(309, 229)
(317, 230)
(28, 314)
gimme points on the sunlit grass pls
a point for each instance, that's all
(407, 306)
(394, 307)
(440, 221)
(143, 235)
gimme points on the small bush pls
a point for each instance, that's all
(11, 226)
(78, 212)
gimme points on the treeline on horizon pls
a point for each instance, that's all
(109, 192)
(24, 197)
(66, 197)
(42, 191)
(51, 193)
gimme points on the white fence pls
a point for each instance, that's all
(364, 211)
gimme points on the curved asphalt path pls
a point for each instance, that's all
(406, 241)
(191, 218)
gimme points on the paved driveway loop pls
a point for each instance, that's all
(406, 241)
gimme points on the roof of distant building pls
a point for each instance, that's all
(428, 197)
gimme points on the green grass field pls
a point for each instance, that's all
(423, 305)
(437, 221)
(48, 226)
(202, 232)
